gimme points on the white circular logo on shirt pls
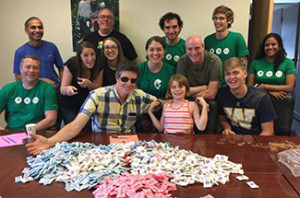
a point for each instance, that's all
(35, 100)
(226, 51)
(27, 100)
(260, 73)
(157, 84)
(212, 50)
(176, 58)
(219, 51)
(168, 56)
(18, 100)
(269, 73)
(278, 74)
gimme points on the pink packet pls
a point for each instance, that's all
(137, 186)
(148, 193)
(131, 194)
(159, 177)
(151, 181)
(122, 191)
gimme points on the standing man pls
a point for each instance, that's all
(201, 68)
(171, 24)
(106, 22)
(224, 43)
(29, 100)
(46, 51)
(243, 109)
(114, 108)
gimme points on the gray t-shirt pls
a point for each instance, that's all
(198, 75)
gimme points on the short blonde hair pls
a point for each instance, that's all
(234, 62)
(182, 82)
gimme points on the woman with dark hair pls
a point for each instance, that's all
(154, 73)
(271, 70)
(82, 74)
(111, 57)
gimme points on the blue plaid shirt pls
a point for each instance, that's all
(104, 107)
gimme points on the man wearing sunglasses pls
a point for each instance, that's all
(112, 109)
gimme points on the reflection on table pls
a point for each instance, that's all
(259, 163)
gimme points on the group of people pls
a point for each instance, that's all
(103, 90)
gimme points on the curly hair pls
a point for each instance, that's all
(170, 16)
(281, 53)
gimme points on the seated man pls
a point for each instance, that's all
(112, 109)
(243, 109)
(201, 68)
(29, 100)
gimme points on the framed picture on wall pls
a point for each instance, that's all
(84, 15)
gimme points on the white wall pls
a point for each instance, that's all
(138, 20)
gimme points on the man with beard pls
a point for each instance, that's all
(171, 25)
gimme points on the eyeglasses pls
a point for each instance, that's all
(106, 16)
(125, 79)
(113, 47)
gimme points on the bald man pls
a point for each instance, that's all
(201, 68)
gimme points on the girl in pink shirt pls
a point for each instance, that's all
(179, 114)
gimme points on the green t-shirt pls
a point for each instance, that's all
(264, 71)
(26, 105)
(233, 45)
(174, 52)
(155, 83)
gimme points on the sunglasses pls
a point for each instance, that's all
(125, 79)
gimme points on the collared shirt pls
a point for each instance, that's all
(107, 112)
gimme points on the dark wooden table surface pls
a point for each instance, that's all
(259, 163)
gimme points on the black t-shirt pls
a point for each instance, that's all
(109, 77)
(127, 47)
(246, 114)
(74, 102)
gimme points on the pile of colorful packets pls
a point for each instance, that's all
(84, 165)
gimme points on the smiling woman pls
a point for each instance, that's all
(271, 70)
(111, 57)
(154, 73)
(81, 74)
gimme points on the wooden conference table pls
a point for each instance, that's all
(259, 163)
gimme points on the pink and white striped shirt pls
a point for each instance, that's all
(178, 120)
